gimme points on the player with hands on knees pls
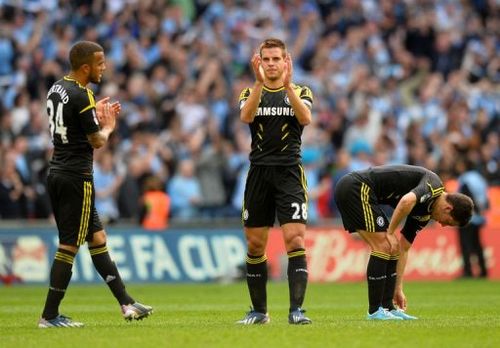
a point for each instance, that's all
(417, 196)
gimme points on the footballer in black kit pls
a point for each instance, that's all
(78, 125)
(72, 113)
(275, 158)
(417, 196)
(362, 193)
(276, 133)
(276, 111)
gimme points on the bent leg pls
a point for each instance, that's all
(107, 268)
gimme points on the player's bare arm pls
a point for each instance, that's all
(399, 296)
(302, 112)
(402, 210)
(247, 113)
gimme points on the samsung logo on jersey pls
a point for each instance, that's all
(61, 91)
(274, 111)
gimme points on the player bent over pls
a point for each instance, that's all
(417, 195)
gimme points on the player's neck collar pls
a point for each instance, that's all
(70, 78)
(274, 89)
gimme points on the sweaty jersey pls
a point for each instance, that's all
(72, 115)
(276, 132)
(391, 182)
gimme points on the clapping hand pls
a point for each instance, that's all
(257, 68)
(288, 71)
(107, 112)
(115, 108)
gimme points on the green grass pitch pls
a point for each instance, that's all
(452, 314)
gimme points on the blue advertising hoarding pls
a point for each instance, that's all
(193, 255)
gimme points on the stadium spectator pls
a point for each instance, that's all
(11, 189)
(130, 190)
(341, 168)
(185, 191)
(155, 205)
(415, 64)
(211, 169)
(472, 184)
(107, 182)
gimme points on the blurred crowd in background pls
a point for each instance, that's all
(394, 81)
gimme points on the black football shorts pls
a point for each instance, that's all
(358, 206)
(72, 200)
(272, 191)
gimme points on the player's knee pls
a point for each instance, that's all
(256, 250)
(256, 246)
(99, 238)
(72, 248)
(294, 242)
(377, 241)
(383, 247)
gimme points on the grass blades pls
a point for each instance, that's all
(452, 314)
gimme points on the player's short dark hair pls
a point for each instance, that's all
(271, 43)
(462, 207)
(83, 53)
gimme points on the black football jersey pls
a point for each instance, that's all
(276, 132)
(390, 182)
(72, 115)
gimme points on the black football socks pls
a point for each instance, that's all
(256, 281)
(390, 282)
(376, 275)
(109, 272)
(297, 277)
(60, 275)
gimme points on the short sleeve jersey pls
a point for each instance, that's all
(389, 183)
(72, 115)
(276, 132)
